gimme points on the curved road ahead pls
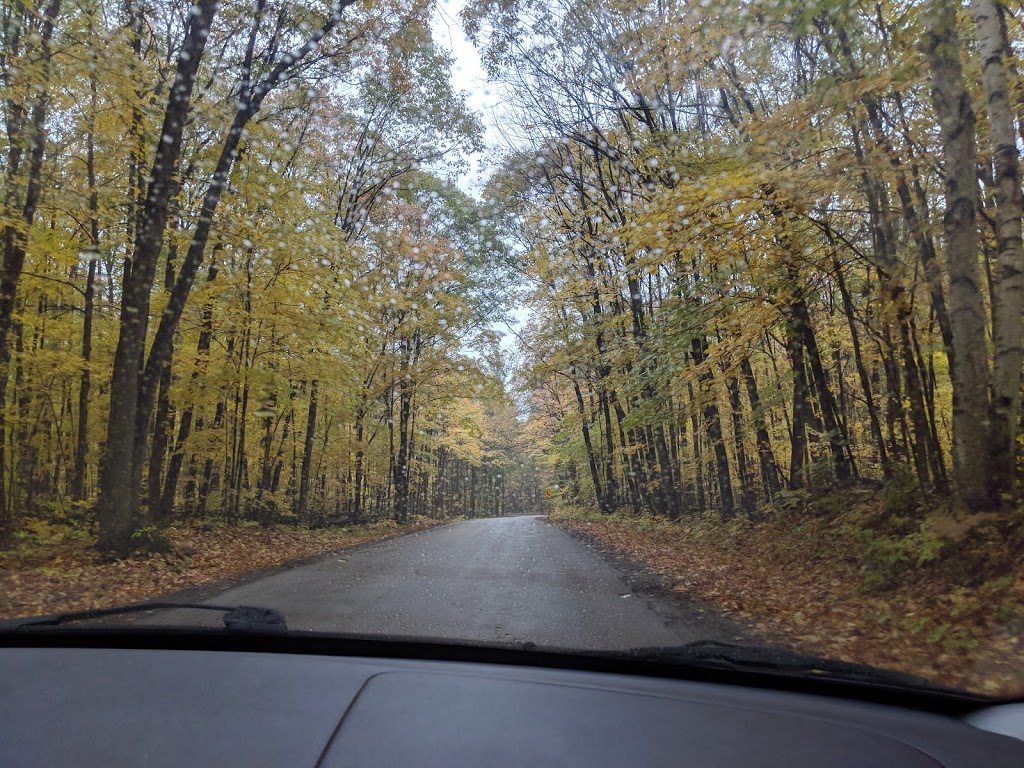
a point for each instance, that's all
(512, 579)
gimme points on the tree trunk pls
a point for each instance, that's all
(862, 373)
(15, 233)
(472, 492)
(158, 452)
(170, 485)
(1008, 309)
(402, 459)
(307, 452)
(121, 474)
(698, 458)
(595, 476)
(20, 212)
(765, 455)
(969, 370)
(211, 477)
(837, 438)
(801, 402)
(713, 426)
(117, 506)
(742, 470)
(630, 459)
(239, 468)
(612, 491)
(357, 506)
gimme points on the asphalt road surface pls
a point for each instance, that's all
(512, 579)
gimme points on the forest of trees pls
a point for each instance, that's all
(238, 281)
(765, 246)
(771, 246)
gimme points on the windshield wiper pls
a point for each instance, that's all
(776, 660)
(240, 618)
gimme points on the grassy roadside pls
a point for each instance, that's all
(46, 573)
(941, 598)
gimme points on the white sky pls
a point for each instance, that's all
(468, 75)
(482, 97)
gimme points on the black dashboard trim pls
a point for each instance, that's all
(953, 703)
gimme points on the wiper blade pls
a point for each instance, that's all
(779, 660)
(241, 618)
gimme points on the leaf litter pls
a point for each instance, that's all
(45, 578)
(803, 587)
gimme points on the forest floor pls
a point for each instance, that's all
(49, 570)
(855, 576)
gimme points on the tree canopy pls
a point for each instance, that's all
(763, 248)
(769, 247)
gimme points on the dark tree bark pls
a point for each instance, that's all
(357, 505)
(121, 475)
(862, 373)
(307, 452)
(401, 464)
(26, 131)
(24, 136)
(170, 485)
(84, 387)
(801, 402)
(698, 458)
(837, 438)
(118, 502)
(612, 486)
(747, 501)
(161, 434)
(595, 475)
(713, 426)
(765, 456)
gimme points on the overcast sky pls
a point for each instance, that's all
(468, 75)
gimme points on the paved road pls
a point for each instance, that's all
(513, 579)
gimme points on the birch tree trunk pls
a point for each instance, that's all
(1008, 307)
(969, 369)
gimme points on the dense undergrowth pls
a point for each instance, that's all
(868, 574)
(52, 567)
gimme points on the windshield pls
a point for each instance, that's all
(592, 325)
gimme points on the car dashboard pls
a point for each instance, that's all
(71, 705)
